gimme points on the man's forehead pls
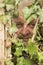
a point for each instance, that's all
(24, 3)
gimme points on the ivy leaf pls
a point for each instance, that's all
(36, 8)
(2, 5)
(17, 42)
(38, 38)
(40, 54)
(31, 13)
(34, 16)
(13, 40)
(32, 10)
(9, 7)
(5, 18)
(27, 62)
(13, 29)
(15, 14)
(41, 15)
(8, 62)
(35, 58)
(27, 12)
(18, 51)
(32, 48)
(22, 61)
(9, 1)
(16, 2)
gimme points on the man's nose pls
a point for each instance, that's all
(23, 32)
(24, 29)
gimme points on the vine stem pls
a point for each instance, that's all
(35, 29)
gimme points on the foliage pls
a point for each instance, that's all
(31, 49)
(8, 62)
(22, 61)
(13, 29)
(31, 13)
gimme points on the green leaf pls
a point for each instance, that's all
(5, 18)
(41, 15)
(27, 62)
(9, 1)
(31, 13)
(8, 62)
(9, 7)
(16, 2)
(13, 40)
(32, 10)
(17, 42)
(40, 54)
(13, 29)
(15, 14)
(32, 48)
(34, 16)
(18, 51)
(27, 12)
(2, 5)
(35, 58)
(36, 8)
(22, 61)
(38, 38)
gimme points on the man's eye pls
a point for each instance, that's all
(21, 36)
(19, 25)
